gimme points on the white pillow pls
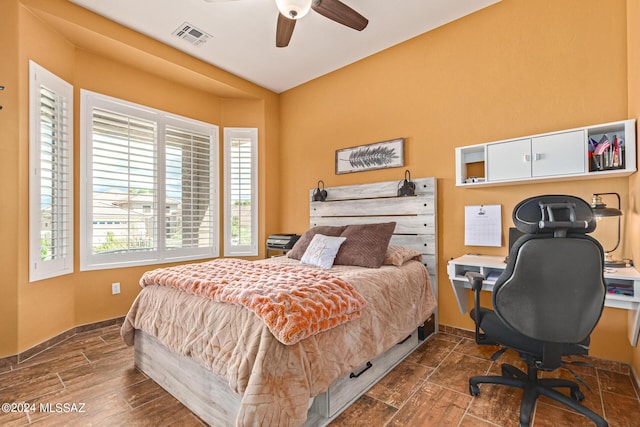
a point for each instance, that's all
(322, 250)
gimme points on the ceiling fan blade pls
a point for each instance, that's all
(340, 13)
(284, 30)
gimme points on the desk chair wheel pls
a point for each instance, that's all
(474, 390)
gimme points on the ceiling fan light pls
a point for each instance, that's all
(294, 9)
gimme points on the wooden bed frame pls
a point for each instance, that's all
(209, 396)
(416, 217)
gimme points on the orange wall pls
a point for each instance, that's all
(9, 99)
(515, 68)
(633, 52)
(47, 32)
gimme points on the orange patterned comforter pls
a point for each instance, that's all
(294, 303)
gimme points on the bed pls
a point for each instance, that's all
(231, 366)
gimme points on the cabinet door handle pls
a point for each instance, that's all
(404, 340)
(366, 368)
(537, 156)
(527, 158)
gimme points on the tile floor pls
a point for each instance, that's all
(90, 376)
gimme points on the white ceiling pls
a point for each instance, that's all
(243, 32)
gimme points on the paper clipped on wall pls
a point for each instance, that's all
(483, 225)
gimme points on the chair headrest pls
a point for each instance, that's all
(553, 212)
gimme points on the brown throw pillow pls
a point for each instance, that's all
(398, 255)
(366, 244)
(301, 245)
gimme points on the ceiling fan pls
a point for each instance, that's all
(292, 10)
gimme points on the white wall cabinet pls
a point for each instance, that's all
(551, 156)
(509, 160)
(558, 154)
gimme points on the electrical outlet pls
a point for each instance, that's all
(115, 288)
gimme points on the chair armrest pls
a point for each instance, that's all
(475, 279)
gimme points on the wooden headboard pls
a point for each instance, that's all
(415, 216)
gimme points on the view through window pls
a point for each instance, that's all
(150, 185)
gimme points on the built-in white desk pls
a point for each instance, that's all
(492, 266)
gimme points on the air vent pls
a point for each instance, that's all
(191, 34)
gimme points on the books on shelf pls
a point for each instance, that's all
(605, 154)
(620, 289)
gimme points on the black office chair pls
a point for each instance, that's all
(546, 302)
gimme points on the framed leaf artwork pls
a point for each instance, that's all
(379, 155)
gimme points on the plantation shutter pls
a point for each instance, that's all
(241, 192)
(123, 217)
(188, 204)
(51, 181)
(150, 185)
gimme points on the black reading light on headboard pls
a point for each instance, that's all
(408, 187)
(320, 194)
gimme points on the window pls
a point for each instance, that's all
(149, 185)
(50, 175)
(241, 192)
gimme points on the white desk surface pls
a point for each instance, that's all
(487, 263)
